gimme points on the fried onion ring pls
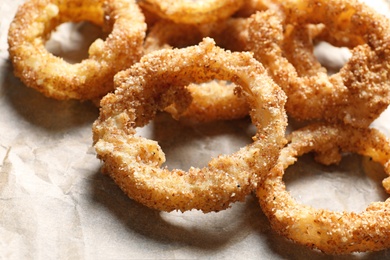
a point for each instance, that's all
(329, 231)
(360, 91)
(91, 78)
(192, 12)
(135, 162)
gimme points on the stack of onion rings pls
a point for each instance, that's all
(159, 65)
(134, 162)
(93, 77)
(329, 231)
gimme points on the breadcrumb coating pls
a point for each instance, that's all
(135, 162)
(92, 78)
(192, 12)
(329, 231)
(359, 92)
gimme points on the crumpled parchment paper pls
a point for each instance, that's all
(55, 203)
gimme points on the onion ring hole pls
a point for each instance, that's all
(71, 40)
(331, 57)
(349, 186)
(203, 140)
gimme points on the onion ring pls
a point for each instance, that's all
(192, 12)
(91, 78)
(297, 44)
(135, 162)
(360, 91)
(329, 231)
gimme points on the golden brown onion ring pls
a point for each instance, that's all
(360, 91)
(329, 231)
(135, 162)
(91, 78)
(192, 12)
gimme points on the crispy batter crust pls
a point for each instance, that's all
(360, 91)
(134, 162)
(92, 78)
(192, 12)
(329, 231)
(210, 101)
(214, 100)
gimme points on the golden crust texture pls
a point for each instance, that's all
(211, 101)
(214, 100)
(359, 92)
(150, 85)
(329, 231)
(192, 12)
(92, 78)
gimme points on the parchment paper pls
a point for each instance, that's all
(55, 203)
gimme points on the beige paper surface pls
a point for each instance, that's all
(55, 203)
